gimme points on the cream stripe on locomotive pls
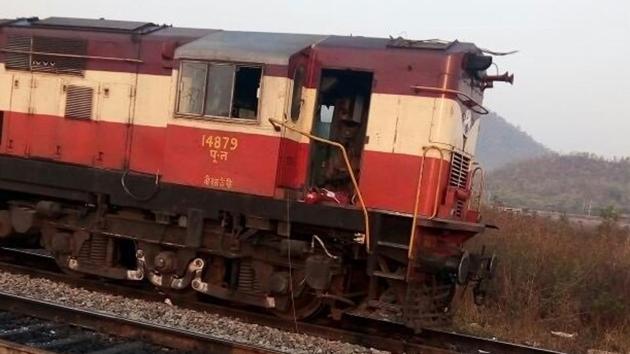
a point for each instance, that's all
(405, 124)
(112, 95)
(113, 99)
(398, 123)
(401, 124)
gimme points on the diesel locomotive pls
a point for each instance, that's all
(296, 173)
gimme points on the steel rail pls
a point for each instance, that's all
(486, 345)
(7, 347)
(383, 342)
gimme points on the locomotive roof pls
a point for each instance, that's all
(240, 46)
(277, 48)
(96, 24)
(268, 48)
(6, 21)
(71, 23)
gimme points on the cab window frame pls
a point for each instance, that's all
(204, 98)
(297, 100)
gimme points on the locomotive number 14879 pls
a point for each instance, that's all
(219, 142)
(219, 146)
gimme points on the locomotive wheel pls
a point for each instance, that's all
(307, 305)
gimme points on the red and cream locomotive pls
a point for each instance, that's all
(268, 169)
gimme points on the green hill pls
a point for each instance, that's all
(568, 183)
(500, 143)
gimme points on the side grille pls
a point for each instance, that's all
(459, 208)
(460, 166)
(18, 61)
(54, 55)
(247, 281)
(58, 64)
(79, 102)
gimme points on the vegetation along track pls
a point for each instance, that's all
(375, 334)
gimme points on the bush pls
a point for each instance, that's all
(555, 276)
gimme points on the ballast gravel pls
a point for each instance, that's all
(163, 314)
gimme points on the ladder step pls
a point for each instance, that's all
(378, 273)
(401, 246)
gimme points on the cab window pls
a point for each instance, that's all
(219, 90)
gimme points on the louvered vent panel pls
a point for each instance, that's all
(460, 166)
(79, 102)
(18, 61)
(459, 208)
(59, 64)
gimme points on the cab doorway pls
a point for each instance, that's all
(341, 114)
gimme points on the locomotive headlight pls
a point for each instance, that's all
(477, 62)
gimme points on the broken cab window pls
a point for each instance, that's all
(246, 92)
(221, 90)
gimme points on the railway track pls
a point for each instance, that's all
(26, 333)
(16, 348)
(374, 334)
(44, 327)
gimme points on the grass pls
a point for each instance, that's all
(554, 276)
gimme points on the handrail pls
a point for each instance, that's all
(481, 187)
(277, 124)
(64, 55)
(425, 149)
(455, 92)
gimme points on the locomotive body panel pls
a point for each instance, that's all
(133, 121)
(221, 153)
(218, 159)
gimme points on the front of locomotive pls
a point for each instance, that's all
(437, 250)
(434, 181)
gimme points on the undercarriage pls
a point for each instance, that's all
(294, 271)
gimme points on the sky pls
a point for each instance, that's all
(572, 71)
